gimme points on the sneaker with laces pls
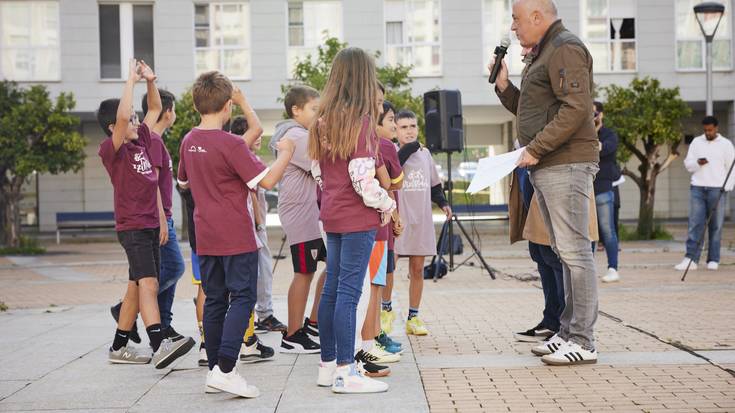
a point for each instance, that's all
(254, 351)
(366, 362)
(389, 344)
(326, 373)
(416, 327)
(348, 379)
(128, 355)
(207, 389)
(115, 311)
(611, 276)
(682, 266)
(312, 330)
(534, 335)
(299, 343)
(549, 346)
(386, 320)
(570, 354)
(268, 324)
(231, 382)
(382, 356)
(713, 265)
(203, 360)
(171, 350)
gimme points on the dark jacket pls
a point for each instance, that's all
(554, 103)
(609, 170)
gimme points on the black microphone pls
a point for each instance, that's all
(500, 52)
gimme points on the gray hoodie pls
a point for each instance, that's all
(281, 130)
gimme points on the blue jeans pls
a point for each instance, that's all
(548, 264)
(347, 260)
(172, 268)
(605, 203)
(701, 202)
(230, 283)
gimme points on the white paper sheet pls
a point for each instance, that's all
(492, 169)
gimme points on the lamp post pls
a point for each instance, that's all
(708, 16)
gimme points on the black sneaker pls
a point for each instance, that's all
(172, 334)
(366, 362)
(134, 336)
(536, 334)
(299, 343)
(268, 324)
(312, 330)
(254, 351)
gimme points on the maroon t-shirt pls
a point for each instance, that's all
(221, 171)
(133, 182)
(342, 209)
(389, 155)
(160, 158)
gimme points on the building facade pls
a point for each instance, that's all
(81, 46)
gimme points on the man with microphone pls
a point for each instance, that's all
(556, 129)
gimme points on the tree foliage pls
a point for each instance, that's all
(647, 119)
(37, 134)
(314, 71)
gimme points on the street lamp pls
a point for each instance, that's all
(708, 16)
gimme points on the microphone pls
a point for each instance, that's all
(500, 52)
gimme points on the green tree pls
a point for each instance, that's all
(314, 71)
(647, 119)
(36, 135)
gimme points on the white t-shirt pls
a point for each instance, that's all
(720, 153)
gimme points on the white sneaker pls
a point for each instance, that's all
(347, 379)
(570, 354)
(383, 356)
(682, 266)
(549, 346)
(231, 382)
(611, 276)
(326, 373)
(713, 266)
(207, 388)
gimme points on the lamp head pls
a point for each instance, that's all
(708, 16)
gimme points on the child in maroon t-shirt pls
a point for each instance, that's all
(221, 171)
(353, 206)
(139, 218)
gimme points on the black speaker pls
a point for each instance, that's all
(443, 116)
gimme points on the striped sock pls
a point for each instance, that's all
(412, 312)
(388, 305)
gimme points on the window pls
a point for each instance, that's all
(690, 45)
(222, 33)
(609, 31)
(126, 32)
(412, 35)
(497, 19)
(309, 23)
(29, 41)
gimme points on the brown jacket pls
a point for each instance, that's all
(529, 224)
(554, 103)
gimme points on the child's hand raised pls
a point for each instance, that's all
(134, 70)
(238, 97)
(146, 72)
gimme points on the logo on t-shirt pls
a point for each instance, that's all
(142, 165)
(197, 149)
(415, 181)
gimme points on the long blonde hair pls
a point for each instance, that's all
(350, 94)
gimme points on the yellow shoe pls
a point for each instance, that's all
(386, 321)
(416, 327)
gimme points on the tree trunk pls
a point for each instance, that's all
(10, 204)
(648, 198)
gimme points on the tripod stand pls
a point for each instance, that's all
(450, 233)
(700, 243)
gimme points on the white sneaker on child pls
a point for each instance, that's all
(326, 373)
(682, 266)
(713, 265)
(611, 276)
(348, 379)
(549, 346)
(231, 382)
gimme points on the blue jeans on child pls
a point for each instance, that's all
(605, 203)
(347, 260)
(230, 283)
(548, 264)
(172, 268)
(701, 202)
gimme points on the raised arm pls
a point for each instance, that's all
(125, 108)
(154, 98)
(255, 129)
